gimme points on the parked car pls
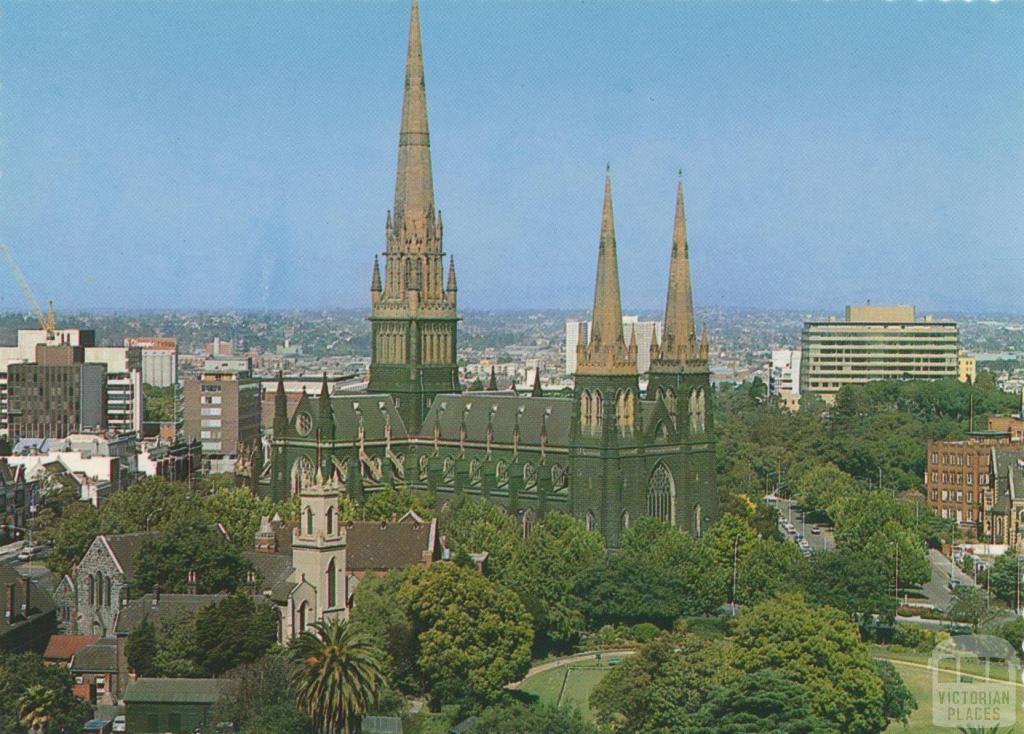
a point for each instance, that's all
(29, 552)
(953, 584)
(815, 530)
(119, 724)
(97, 726)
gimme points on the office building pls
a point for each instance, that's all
(784, 374)
(645, 332)
(121, 382)
(159, 359)
(967, 368)
(876, 343)
(222, 408)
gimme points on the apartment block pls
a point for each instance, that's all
(959, 480)
(876, 343)
(222, 408)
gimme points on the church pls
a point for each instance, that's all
(607, 455)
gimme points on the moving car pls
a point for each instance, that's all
(28, 552)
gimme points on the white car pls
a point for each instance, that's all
(28, 552)
(119, 724)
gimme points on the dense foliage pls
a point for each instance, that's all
(46, 690)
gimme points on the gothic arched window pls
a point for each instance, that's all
(107, 590)
(529, 474)
(330, 520)
(661, 494)
(424, 462)
(598, 408)
(332, 585)
(309, 520)
(501, 473)
(586, 409)
(90, 589)
(300, 625)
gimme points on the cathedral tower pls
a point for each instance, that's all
(680, 377)
(415, 322)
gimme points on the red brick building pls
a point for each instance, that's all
(958, 480)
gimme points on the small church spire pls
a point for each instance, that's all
(452, 285)
(375, 286)
(280, 407)
(492, 384)
(326, 410)
(537, 391)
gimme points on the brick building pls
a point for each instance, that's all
(958, 479)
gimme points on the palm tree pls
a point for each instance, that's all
(338, 675)
(35, 707)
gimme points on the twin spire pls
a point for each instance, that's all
(607, 351)
(414, 184)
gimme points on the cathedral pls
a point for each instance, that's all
(607, 455)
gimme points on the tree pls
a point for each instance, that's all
(140, 649)
(474, 635)
(240, 512)
(822, 486)
(819, 648)
(338, 674)
(544, 570)
(381, 613)
(1004, 578)
(969, 606)
(391, 503)
(262, 701)
(165, 560)
(658, 690)
(24, 672)
(35, 707)
(520, 718)
(77, 527)
(852, 581)
(763, 701)
(898, 702)
(233, 632)
(476, 525)
(177, 649)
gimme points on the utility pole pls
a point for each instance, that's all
(735, 549)
(897, 571)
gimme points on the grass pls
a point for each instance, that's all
(568, 686)
(919, 682)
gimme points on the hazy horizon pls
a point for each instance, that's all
(178, 156)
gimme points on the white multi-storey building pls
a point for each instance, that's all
(159, 359)
(645, 332)
(784, 376)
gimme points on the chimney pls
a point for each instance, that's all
(26, 601)
(9, 611)
(190, 587)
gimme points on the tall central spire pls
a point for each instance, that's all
(607, 349)
(414, 186)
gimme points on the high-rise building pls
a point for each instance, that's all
(159, 359)
(647, 332)
(876, 343)
(967, 368)
(122, 379)
(784, 375)
(607, 454)
(222, 409)
(55, 395)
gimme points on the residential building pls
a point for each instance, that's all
(967, 368)
(876, 343)
(121, 383)
(575, 332)
(61, 648)
(222, 408)
(95, 670)
(173, 705)
(174, 460)
(958, 480)
(98, 463)
(28, 616)
(159, 359)
(17, 495)
(1012, 425)
(607, 454)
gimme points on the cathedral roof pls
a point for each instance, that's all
(372, 411)
(502, 413)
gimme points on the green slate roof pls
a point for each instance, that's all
(374, 410)
(178, 690)
(448, 412)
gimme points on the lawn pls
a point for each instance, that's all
(568, 686)
(919, 681)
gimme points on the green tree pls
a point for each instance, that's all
(177, 647)
(520, 718)
(22, 672)
(165, 560)
(821, 649)
(658, 690)
(1005, 578)
(262, 701)
(393, 502)
(239, 511)
(851, 580)
(969, 606)
(77, 527)
(822, 486)
(140, 649)
(381, 613)
(474, 634)
(159, 402)
(476, 525)
(544, 570)
(35, 707)
(763, 701)
(337, 675)
(233, 632)
(898, 702)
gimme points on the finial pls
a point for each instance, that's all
(608, 169)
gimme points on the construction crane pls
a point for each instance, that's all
(46, 322)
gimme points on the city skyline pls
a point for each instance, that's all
(200, 159)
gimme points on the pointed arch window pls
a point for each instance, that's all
(330, 520)
(332, 585)
(309, 520)
(661, 494)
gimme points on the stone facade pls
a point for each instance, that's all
(99, 584)
(607, 455)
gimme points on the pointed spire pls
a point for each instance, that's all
(414, 187)
(655, 349)
(326, 412)
(280, 407)
(492, 384)
(607, 328)
(537, 392)
(375, 286)
(679, 331)
(452, 285)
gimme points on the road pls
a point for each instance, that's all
(820, 542)
(937, 588)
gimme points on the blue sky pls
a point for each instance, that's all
(242, 154)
